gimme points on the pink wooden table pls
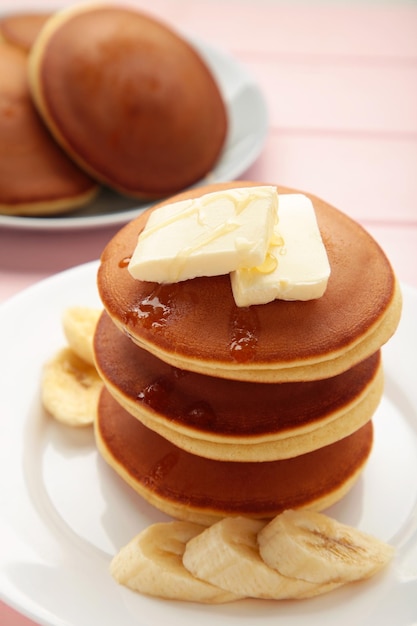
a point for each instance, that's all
(340, 82)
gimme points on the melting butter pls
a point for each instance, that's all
(215, 234)
(268, 266)
(296, 266)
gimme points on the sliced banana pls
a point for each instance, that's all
(313, 547)
(79, 324)
(152, 564)
(70, 389)
(226, 554)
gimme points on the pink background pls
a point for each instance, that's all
(340, 80)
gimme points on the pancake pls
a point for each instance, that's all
(234, 420)
(21, 29)
(193, 488)
(128, 98)
(36, 176)
(195, 325)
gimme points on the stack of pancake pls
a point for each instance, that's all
(210, 410)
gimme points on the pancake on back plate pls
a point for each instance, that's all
(129, 99)
(36, 176)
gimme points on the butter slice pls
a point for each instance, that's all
(296, 268)
(207, 236)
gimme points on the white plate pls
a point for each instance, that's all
(248, 125)
(64, 512)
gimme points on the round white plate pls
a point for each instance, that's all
(248, 125)
(64, 513)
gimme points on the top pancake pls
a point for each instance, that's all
(129, 99)
(196, 325)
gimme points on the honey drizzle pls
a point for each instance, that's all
(201, 414)
(269, 265)
(195, 206)
(161, 469)
(153, 311)
(217, 232)
(158, 396)
(240, 202)
(244, 332)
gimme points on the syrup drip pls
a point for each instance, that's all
(244, 334)
(152, 311)
(178, 373)
(201, 414)
(161, 469)
(157, 394)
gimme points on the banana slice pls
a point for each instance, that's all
(70, 389)
(226, 554)
(79, 324)
(315, 548)
(152, 564)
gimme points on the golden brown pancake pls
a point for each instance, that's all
(36, 176)
(195, 324)
(129, 99)
(21, 29)
(202, 490)
(234, 420)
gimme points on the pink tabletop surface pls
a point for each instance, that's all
(340, 81)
